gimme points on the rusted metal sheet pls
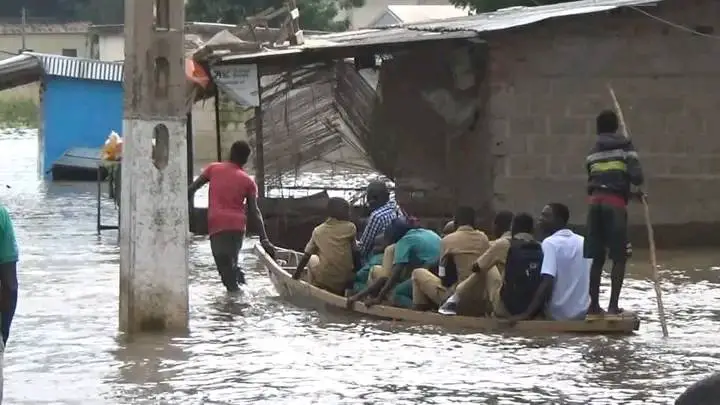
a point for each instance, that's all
(19, 70)
(519, 16)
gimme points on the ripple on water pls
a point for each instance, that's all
(256, 348)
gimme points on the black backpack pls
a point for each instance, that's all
(522, 275)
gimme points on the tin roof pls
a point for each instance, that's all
(347, 40)
(519, 16)
(79, 68)
(452, 28)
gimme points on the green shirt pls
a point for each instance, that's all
(8, 244)
(419, 247)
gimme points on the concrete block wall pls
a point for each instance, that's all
(549, 80)
(205, 144)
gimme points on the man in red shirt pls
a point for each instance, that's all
(232, 200)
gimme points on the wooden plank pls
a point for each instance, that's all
(287, 287)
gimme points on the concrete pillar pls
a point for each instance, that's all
(154, 203)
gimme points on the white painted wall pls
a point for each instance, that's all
(111, 47)
(362, 17)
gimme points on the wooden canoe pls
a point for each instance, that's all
(298, 290)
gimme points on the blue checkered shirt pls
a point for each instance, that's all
(376, 225)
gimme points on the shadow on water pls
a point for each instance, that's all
(255, 348)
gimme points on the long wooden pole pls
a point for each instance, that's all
(648, 224)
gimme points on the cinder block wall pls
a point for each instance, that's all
(549, 80)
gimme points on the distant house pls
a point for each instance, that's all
(107, 42)
(67, 39)
(411, 14)
(366, 15)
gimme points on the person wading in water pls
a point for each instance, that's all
(8, 281)
(612, 167)
(232, 201)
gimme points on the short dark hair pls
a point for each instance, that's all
(464, 216)
(240, 152)
(502, 221)
(338, 208)
(561, 212)
(607, 122)
(522, 223)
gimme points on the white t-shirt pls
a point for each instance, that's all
(563, 259)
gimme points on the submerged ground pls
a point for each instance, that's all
(258, 349)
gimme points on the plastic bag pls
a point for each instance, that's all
(112, 150)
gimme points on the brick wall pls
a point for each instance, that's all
(548, 81)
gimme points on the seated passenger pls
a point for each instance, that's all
(448, 229)
(469, 297)
(459, 251)
(376, 259)
(510, 269)
(565, 272)
(409, 247)
(331, 252)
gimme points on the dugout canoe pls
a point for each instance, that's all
(301, 291)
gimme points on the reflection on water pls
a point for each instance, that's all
(255, 348)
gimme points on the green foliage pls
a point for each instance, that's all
(484, 6)
(19, 112)
(314, 14)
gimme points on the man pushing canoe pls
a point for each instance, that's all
(612, 167)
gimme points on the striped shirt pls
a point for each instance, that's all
(378, 221)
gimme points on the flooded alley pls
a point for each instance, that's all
(65, 346)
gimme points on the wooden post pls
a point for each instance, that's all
(218, 136)
(154, 202)
(190, 167)
(259, 141)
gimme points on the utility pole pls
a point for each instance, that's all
(153, 198)
(23, 23)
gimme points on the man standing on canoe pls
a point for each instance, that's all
(612, 167)
(232, 201)
(383, 211)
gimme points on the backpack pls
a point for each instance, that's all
(522, 275)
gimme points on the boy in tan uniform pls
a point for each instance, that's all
(460, 249)
(329, 255)
(470, 296)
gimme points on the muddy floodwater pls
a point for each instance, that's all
(257, 349)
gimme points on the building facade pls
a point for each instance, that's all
(70, 39)
(549, 80)
(369, 13)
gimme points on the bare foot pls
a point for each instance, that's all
(595, 311)
(615, 311)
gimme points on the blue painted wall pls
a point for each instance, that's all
(78, 113)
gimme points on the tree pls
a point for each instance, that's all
(314, 14)
(484, 6)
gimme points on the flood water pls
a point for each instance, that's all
(65, 346)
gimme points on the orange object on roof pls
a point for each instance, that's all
(196, 73)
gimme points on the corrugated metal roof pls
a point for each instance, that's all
(518, 16)
(79, 68)
(348, 39)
